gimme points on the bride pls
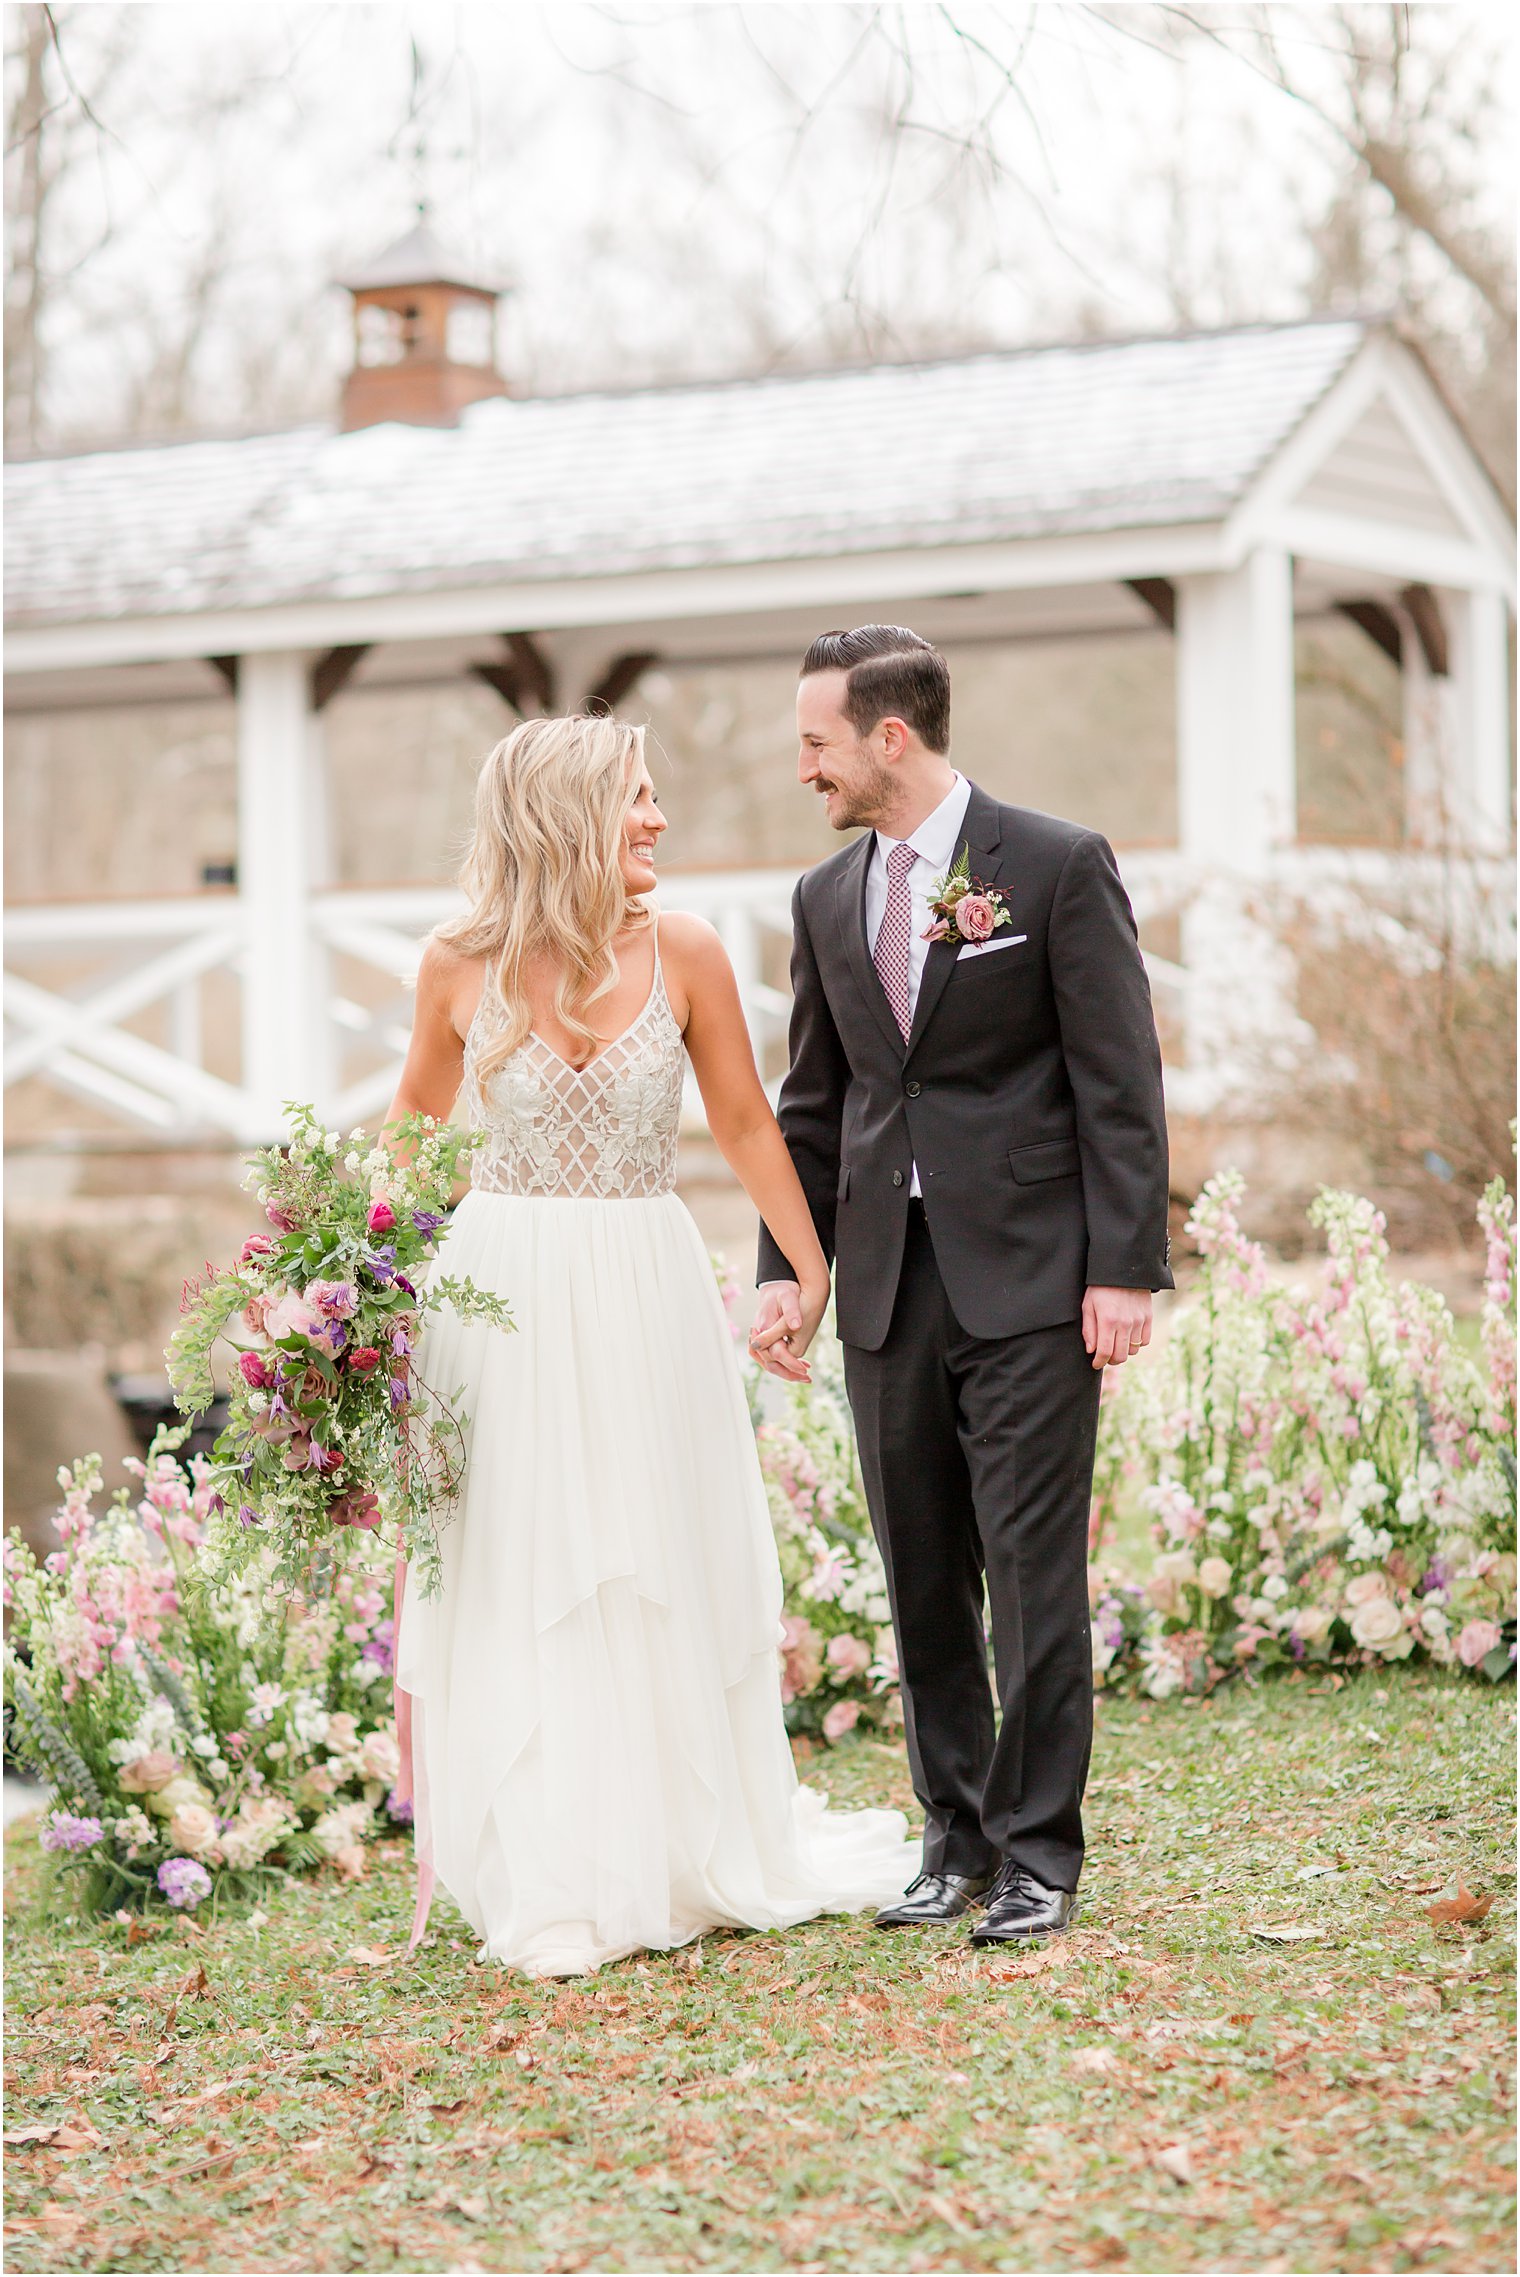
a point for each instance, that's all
(599, 1762)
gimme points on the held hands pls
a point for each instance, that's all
(1116, 1324)
(786, 1322)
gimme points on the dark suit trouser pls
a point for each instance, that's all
(977, 1457)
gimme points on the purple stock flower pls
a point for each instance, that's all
(380, 1649)
(65, 1832)
(183, 1882)
(401, 1812)
(1437, 1575)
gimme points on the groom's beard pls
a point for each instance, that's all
(870, 799)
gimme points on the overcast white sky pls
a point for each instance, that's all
(683, 187)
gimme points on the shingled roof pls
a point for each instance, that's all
(988, 447)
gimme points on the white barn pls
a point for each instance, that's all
(1219, 484)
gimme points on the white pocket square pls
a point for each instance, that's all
(985, 948)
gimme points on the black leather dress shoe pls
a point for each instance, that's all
(1020, 1909)
(933, 1897)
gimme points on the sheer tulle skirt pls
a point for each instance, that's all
(599, 1757)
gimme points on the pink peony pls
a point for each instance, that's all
(363, 1360)
(848, 1656)
(280, 1218)
(1476, 1641)
(381, 1217)
(975, 917)
(255, 1372)
(291, 1315)
(842, 1717)
(256, 1246)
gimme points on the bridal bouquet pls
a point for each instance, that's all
(332, 1433)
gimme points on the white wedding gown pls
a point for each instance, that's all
(599, 1762)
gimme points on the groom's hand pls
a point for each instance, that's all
(1116, 1324)
(778, 1318)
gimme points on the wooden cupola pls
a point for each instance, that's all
(424, 338)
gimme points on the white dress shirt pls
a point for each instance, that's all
(936, 842)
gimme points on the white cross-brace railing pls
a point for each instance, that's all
(152, 957)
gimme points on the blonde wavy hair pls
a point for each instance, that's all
(543, 871)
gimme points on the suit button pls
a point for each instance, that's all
(897, 1177)
(913, 1090)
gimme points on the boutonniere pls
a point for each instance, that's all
(965, 905)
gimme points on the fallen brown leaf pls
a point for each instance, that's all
(1175, 2159)
(64, 2135)
(1463, 1907)
(370, 1956)
(1093, 2060)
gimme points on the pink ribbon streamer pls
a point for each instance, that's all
(406, 1778)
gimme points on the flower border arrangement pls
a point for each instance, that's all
(332, 1434)
(198, 1735)
(1329, 1473)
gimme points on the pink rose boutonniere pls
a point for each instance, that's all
(964, 907)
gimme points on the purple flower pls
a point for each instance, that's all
(1437, 1575)
(403, 1283)
(247, 1516)
(427, 1221)
(398, 1393)
(183, 1882)
(65, 1832)
(401, 1812)
(380, 1649)
(381, 1261)
(335, 1300)
(401, 1343)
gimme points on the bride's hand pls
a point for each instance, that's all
(815, 1303)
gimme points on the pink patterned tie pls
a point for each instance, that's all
(890, 955)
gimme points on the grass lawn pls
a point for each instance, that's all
(283, 2089)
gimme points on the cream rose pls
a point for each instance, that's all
(1311, 1623)
(148, 1773)
(342, 1735)
(1215, 1577)
(380, 1757)
(193, 1829)
(1362, 1588)
(179, 1791)
(1377, 1623)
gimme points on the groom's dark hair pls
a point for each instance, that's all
(889, 674)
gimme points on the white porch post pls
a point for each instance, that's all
(1427, 740)
(282, 831)
(1479, 764)
(1236, 799)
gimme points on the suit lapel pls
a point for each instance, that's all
(982, 833)
(851, 907)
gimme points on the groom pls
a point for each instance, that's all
(974, 1108)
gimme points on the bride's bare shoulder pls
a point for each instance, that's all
(450, 981)
(689, 942)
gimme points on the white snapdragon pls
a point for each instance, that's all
(308, 1719)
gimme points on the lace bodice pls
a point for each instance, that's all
(607, 1129)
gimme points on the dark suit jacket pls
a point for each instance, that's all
(1029, 1091)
